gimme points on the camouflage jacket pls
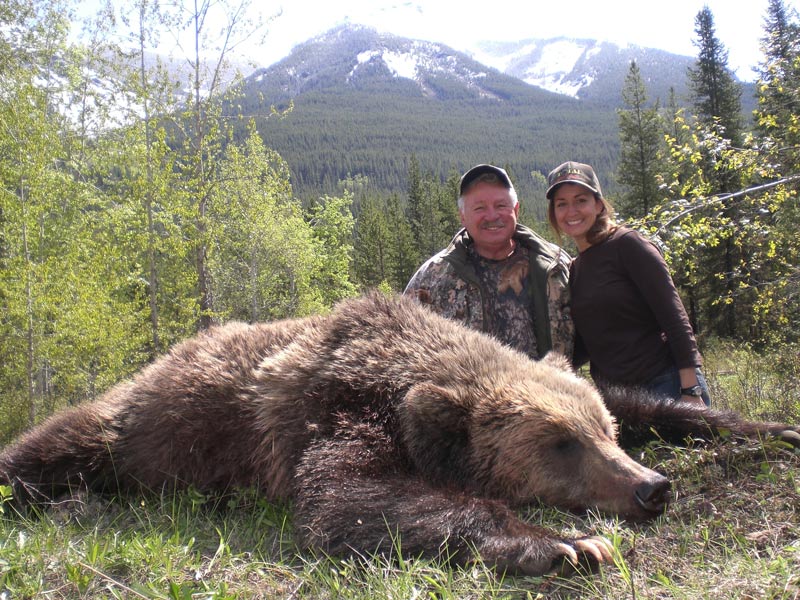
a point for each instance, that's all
(449, 284)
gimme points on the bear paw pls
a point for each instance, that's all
(582, 555)
(790, 436)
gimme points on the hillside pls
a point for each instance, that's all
(364, 102)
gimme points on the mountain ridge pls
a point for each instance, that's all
(364, 102)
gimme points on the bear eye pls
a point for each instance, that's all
(565, 445)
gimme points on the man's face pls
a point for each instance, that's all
(490, 217)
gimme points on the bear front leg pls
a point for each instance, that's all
(353, 497)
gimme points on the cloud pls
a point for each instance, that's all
(462, 23)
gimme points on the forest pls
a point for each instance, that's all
(136, 210)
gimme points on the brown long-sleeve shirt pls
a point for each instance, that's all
(627, 312)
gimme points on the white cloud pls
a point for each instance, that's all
(461, 23)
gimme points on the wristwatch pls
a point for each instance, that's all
(695, 391)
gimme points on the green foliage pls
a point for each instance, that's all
(730, 209)
(642, 154)
(332, 222)
(119, 237)
(778, 113)
(432, 209)
(386, 253)
(125, 228)
(264, 255)
(65, 329)
(728, 252)
(372, 244)
(716, 95)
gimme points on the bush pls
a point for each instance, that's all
(759, 386)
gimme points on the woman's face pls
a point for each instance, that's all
(575, 209)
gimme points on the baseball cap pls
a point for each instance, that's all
(573, 172)
(478, 170)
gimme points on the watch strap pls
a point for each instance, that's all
(695, 390)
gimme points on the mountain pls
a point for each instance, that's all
(364, 102)
(359, 58)
(586, 69)
(594, 71)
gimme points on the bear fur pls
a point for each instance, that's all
(381, 422)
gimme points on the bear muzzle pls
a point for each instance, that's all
(653, 496)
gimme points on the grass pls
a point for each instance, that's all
(733, 531)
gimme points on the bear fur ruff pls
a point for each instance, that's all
(384, 423)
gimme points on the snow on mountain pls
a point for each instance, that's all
(356, 56)
(588, 70)
(420, 61)
(408, 63)
(553, 65)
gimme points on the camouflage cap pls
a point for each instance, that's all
(572, 172)
(478, 170)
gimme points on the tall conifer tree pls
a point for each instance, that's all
(778, 87)
(642, 144)
(716, 95)
(717, 104)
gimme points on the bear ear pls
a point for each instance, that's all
(559, 361)
(435, 431)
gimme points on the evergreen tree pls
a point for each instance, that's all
(404, 258)
(778, 87)
(778, 131)
(416, 203)
(641, 149)
(716, 95)
(450, 219)
(371, 251)
(432, 209)
(718, 109)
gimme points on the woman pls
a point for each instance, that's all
(628, 315)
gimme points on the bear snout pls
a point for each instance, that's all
(653, 495)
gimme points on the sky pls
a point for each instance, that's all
(666, 24)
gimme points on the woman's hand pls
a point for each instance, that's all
(693, 399)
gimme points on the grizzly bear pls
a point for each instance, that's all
(384, 423)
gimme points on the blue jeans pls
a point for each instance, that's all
(668, 384)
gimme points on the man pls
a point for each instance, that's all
(498, 276)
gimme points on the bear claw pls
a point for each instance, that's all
(790, 436)
(584, 553)
(599, 547)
